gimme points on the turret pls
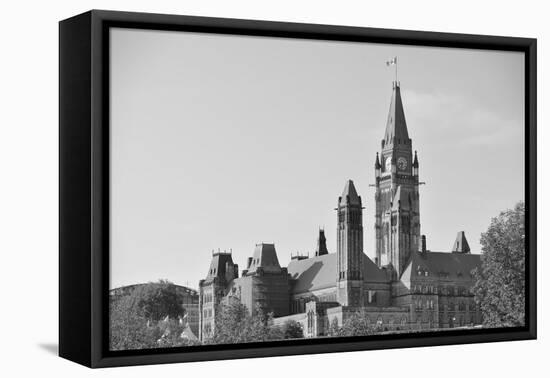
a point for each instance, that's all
(321, 244)
(415, 164)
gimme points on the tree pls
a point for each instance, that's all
(128, 328)
(334, 329)
(357, 324)
(158, 300)
(235, 324)
(292, 330)
(500, 281)
(138, 319)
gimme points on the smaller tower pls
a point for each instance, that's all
(321, 244)
(350, 247)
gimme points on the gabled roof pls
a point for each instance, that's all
(396, 126)
(319, 272)
(265, 257)
(461, 244)
(349, 195)
(450, 265)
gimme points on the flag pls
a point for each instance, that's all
(392, 61)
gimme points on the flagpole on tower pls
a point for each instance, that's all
(395, 70)
(393, 62)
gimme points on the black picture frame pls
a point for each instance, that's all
(84, 186)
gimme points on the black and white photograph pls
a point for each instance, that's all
(213, 188)
(267, 189)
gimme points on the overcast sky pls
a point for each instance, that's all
(226, 141)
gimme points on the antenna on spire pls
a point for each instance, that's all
(393, 62)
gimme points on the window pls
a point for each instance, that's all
(310, 322)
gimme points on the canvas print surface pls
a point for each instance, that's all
(267, 189)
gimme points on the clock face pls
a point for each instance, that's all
(388, 164)
(402, 163)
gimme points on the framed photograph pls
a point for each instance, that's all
(234, 188)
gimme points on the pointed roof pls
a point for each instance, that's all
(396, 126)
(349, 195)
(461, 244)
(265, 257)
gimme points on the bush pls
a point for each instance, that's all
(292, 330)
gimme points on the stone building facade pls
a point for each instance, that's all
(405, 287)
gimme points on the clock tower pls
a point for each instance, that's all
(397, 216)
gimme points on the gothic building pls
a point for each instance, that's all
(405, 287)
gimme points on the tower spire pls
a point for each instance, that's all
(396, 125)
